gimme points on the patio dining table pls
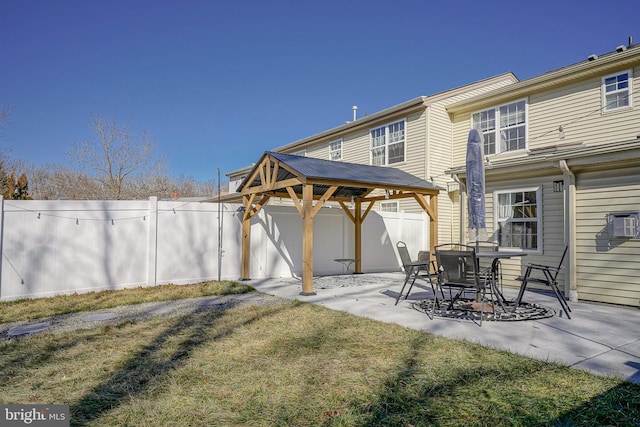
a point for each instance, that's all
(497, 256)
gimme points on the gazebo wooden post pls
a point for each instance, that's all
(307, 240)
(246, 238)
(358, 236)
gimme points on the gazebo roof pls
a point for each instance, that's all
(352, 179)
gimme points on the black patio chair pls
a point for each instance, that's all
(544, 275)
(412, 269)
(458, 269)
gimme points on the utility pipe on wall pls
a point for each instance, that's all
(570, 228)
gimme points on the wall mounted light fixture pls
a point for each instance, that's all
(558, 186)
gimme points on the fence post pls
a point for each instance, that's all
(152, 242)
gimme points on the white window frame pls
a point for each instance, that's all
(335, 150)
(390, 206)
(501, 128)
(383, 138)
(613, 86)
(302, 153)
(504, 215)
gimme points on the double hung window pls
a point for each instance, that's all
(504, 128)
(388, 144)
(518, 218)
(616, 90)
(335, 150)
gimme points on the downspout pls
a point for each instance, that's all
(570, 230)
(427, 156)
(462, 206)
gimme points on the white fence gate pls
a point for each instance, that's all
(62, 247)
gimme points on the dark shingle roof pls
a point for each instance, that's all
(357, 178)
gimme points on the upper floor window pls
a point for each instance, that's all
(518, 220)
(387, 144)
(302, 153)
(504, 128)
(335, 150)
(616, 89)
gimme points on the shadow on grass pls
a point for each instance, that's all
(619, 406)
(483, 394)
(151, 364)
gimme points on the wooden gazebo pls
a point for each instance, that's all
(311, 182)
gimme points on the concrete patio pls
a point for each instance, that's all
(603, 339)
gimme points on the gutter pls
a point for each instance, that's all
(579, 156)
(571, 284)
(463, 205)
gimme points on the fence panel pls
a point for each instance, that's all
(61, 247)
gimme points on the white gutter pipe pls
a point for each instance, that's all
(463, 205)
(570, 230)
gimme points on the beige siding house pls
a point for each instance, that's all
(563, 169)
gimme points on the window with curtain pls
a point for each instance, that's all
(518, 218)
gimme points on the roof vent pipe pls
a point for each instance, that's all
(355, 112)
(630, 41)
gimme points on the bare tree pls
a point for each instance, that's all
(113, 157)
(56, 182)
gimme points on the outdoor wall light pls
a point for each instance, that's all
(560, 132)
(386, 194)
(558, 186)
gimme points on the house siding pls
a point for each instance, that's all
(438, 157)
(607, 269)
(552, 233)
(579, 109)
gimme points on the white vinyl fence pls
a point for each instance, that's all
(62, 247)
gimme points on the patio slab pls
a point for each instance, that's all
(603, 339)
(27, 329)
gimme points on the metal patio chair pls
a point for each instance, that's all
(412, 269)
(544, 275)
(458, 269)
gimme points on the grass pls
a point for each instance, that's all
(30, 309)
(296, 364)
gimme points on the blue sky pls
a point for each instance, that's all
(216, 83)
